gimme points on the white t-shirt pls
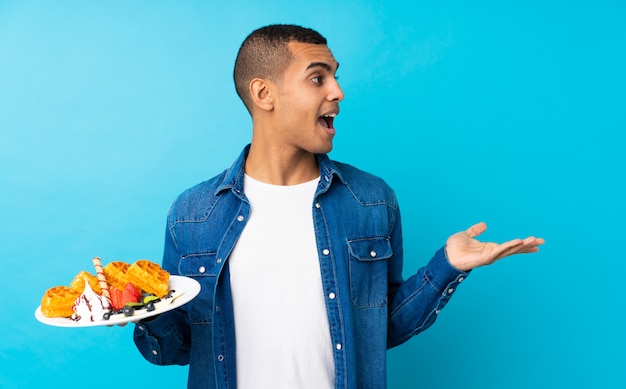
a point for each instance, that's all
(281, 325)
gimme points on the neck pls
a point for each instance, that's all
(280, 165)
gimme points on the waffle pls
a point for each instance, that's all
(115, 273)
(78, 283)
(149, 277)
(58, 301)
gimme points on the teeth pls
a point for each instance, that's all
(330, 115)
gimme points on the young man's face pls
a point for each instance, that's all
(308, 99)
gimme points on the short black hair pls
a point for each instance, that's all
(264, 54)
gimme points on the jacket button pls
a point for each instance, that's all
(373, 254)
(202, 269)
(326, 251)
(331, 296)
(220, 358)
(240, 218)
(154, 352)
(317, 205)
(338, 346)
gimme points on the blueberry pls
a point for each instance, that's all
(129, 311)
(106, 316)
(150, 306)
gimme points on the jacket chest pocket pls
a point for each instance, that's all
(368, 271)
(201, 267)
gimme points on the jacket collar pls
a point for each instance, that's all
(233, 177)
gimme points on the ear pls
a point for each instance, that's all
(261, 93)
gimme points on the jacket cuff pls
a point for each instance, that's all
(443, 275)
(160, 325)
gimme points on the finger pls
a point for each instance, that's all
(525, 246)
(476, 229)
(507, 248)
(534, 241)
(531, 244)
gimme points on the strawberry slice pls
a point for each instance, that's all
(130, 294)
(116, 298)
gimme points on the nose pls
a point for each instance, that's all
(335, 93)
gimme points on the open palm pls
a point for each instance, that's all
(465, 252)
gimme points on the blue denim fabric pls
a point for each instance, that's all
(359, 240)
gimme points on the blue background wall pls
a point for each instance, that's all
(512, 113)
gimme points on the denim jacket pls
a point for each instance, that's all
(359, 240)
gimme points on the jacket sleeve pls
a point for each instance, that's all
(165, 340)
(415, 303)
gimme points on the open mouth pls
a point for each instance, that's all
(327, 120)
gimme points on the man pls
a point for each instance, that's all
(299, 257)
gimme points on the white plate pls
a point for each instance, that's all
(185, 290)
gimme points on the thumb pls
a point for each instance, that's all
(476, 229)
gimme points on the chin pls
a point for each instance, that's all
(325, 149)
(318, 147)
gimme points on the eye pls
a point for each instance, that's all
(317, 79)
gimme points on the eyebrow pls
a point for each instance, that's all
(321, 65)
